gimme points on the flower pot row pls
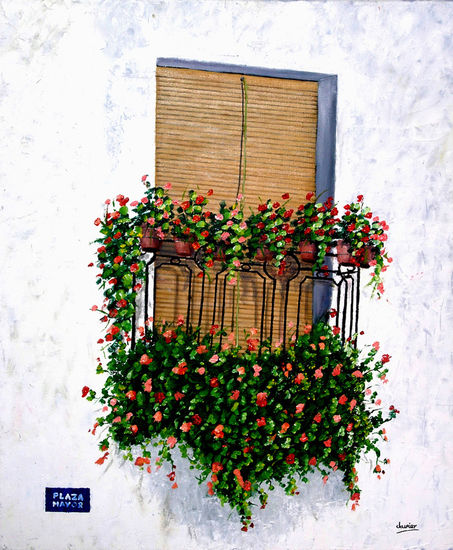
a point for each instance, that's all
(150, 242)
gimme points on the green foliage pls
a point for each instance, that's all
(248, 419)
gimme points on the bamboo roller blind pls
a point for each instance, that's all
(198, 137)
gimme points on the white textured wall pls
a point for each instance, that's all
(77, 120)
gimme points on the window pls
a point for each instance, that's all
(290, 148)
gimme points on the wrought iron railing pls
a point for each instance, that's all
(279, 301)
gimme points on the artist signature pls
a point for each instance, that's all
(404, 528)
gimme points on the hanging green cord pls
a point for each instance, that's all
(243, 170)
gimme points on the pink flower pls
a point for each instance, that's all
(113, 402)
(171, 441)
(144, 178)
(300, 408)
(116, 420)
(324, 479)
(236, 263)
(232, 281)
(145, 360)
(148, 386)
(219, 217)
(241, 370)
(257, 369)
(129, 415)
(185, 426)
(94, 308)
(201, 370)
(318, 372)
(167, 185)
(214, 358)
(322, 345)
(225, 236)
(336, 418)
(157, 416)
(357, 374)
(241, 240)
(352, 404)
(378, 401)
(376, 346)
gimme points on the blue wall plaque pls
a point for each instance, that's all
(59, 499)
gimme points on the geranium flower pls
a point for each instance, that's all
(318, 372)
(290, 459)
(214, 382)
(101, 460)
(357, 374)
(178, 396)
(303, 438)
(196, 419)
(201, 370)
(171, 441)
(134, 268)
(336, 371)
(118, 259)
(214, 358)
(85, 390)
(300, 408)
(298, 379)
(336, 418)
(235, 395)
(312, 461)
(257, 369)
(261, 399)
(145, 359)
(343, 399)
(386, 358)
(157, 416)
(132, 395)
(216, 467)
(352, 404)
(261, 421)
(284, 427)
(185, 426)
(217, 432)
(328, 442)
(317, 418)
(159, 397)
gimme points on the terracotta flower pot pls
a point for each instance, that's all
(308, 252)
(183, 248)
(149, 240)
(344, 257)
(263, 255)
(368, 255)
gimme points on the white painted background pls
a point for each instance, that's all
(77, 122)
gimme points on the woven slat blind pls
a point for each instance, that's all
(198, 137)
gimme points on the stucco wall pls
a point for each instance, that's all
(77, 122)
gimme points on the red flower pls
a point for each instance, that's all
(217, 432)
(101, 249)
(328, 442)
(261, 399)
(196, 245)
(140, 461)
(159, 397)
(262, 207)
(134, 429)
(196, 419)
(122, 303)
(178, 396)
(85, 390)
(134, 268)
(213, 329)
(317, 418)
(199, 199)
(214, 382)
(342, 456)
(235, 395)
(118, 259)
(290, 459)
(312, 461)
(285, 196)
(343, 399)
(185, 205)
(210, 192)
(386, 358)
(132, 395)
(97, 221)
(216, 467)
(261, 421)
(303, 438)
(276, 204)
(309, 196)
(145, 360)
